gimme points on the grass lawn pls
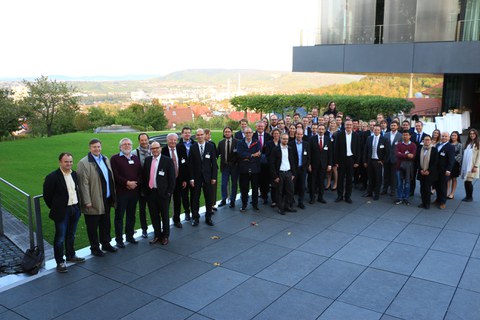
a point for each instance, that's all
(26, 162)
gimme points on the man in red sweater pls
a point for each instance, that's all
(405, 152)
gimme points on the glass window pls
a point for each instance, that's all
(332, 22)
(361, 21)
(436, 20)
(399, 21)
(471, 25)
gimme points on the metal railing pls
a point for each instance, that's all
(19, 203)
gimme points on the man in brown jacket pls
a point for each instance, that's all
(97, 193)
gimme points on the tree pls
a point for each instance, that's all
(9, 113)
(46, 98)
(145, 116)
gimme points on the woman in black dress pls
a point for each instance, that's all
(452, 183)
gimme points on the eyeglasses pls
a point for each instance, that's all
(155, 148)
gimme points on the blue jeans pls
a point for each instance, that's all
(65, 233)
(227, 174)
(403, 187)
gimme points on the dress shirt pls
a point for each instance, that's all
(392, 136)
(374, 147)
(285, 164)
(72, 194)
(440, 146)
(156, 168)
(348, 139)
(188, 144)
(299, 146)
(103, 167)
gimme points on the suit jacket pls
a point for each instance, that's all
(340, 152)
(432, 165)
(446, 158)
(55, 194)
(239, 135)
(321, 158)
(232, 157)
(247, 163)
(414, 139)
(392, 158)
(203, 169)
(382, 149)
(276, 161)
(305, 154)
(165, 181)
(266, 137)
(182, 160)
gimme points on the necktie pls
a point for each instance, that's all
(201, 150)
(320, 144)
(228, 151)
(261, 141)
(152, 173)
(418, 137)
(175, 164)
(374, 149)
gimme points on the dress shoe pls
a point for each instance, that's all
(406, 202)
(376, 197)
(187, 217)
(232, 205)
(195, 223)
(121, 244)
(109, 248)
(255, 208)
(311, 201)
(132, 241)
(209, 222)
(291, 209)
(365, 195)
(222, 203)
(178, 225)
(321, 200)
(442, 206)
(280, 211)
(243, 209)
(398, 201)
(214, 209)
(144, 234)
(76, 259)
(339, 199)
(301, 206)
(164, 241)
(348, 200)
(155, 240)
(62, 267)
(384, 192)
(467, 199)
(421, 205)
(97, 253)
(273, 205)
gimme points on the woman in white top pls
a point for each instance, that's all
(470, 163)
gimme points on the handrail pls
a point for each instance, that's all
(38, 223)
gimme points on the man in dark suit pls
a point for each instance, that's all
(393, 138)
(60, 192)
(249, 167)
(159, 177)
(203, 171)
(427, 157)
(179, 159)
(227, 151)
(302, 162)
(321, 153)
(263, 137)
(374, 156)
(346, 157)
(446, 160)
(283, 171)
(183, 146)
(417, 138)
(240, 134)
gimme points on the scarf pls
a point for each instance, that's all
(467, 161)
(425, 157)
(143, 153)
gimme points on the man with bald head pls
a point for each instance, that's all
(446, 160)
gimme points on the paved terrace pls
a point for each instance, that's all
(366, 260)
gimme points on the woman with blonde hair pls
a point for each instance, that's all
(470, 163)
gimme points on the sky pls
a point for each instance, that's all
(149, 37)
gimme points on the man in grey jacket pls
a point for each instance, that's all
(97, 193)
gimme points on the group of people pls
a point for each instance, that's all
(284, 162)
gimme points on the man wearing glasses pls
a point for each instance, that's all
(249, 167)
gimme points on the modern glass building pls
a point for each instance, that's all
(400, 36)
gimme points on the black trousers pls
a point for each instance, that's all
(299, 183)
(426, 190)
(125, 203)
(264, 183)
(247, 181)
(441, 187)
(158, 208)
(98, 228)
(345, 176)
(142, 211)
(389, 177)
(285, 190)
(318, 176)
(374, 170)
(187, 195)
(177, 200)
(207, 188)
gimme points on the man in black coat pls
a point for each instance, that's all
(283, 171)
(446, 160)
(240, 134)
(179, 159)
(249, 168)
(263, 137)
(321, 156)
(417, 137)
(375, 154)
(346, 157)
(203, 171)
(60, 192)
(427, 157)
(159, 177)
(302, 162)
(183, 146)
(227, 152)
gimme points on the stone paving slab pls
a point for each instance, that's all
(367, 260)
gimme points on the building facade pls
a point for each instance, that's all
(400, 36)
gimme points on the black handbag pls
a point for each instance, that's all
(32, 261)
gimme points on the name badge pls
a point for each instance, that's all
(130, 162)
(183, 161)
(396, 143)
(235, 150)
(325, 148)
(207, 156)
(382, 146)
(442, 154)
(161, 173)
(304, 153)
(421, 143)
